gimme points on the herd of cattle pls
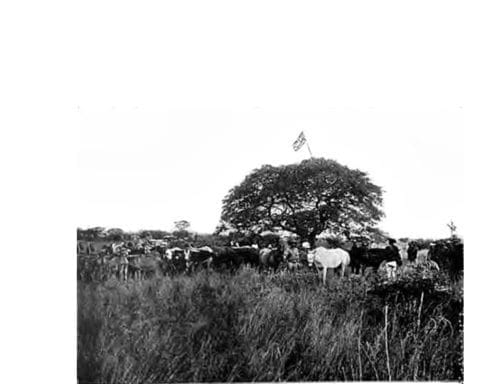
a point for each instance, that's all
(143, 259)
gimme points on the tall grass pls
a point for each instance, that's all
(213, 327)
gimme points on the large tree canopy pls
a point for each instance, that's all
(306, 199)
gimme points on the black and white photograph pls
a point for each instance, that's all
(255, 191)
(241, 219)
(307, 269)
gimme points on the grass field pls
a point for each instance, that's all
(213, 327)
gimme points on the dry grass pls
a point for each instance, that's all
(214, 327)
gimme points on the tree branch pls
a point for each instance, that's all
(291, 208)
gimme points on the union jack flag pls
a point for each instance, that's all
(301, 139)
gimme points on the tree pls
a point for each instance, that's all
(116, 234)
(93, 233)
(306, 199)
(181, 225)
(159, 234)
(453, 228)
(144, 234)
(203, 239)
(181, 229)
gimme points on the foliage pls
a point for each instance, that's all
(145, 234)
(448, 254)
(90, 233)
(203, 239)
(182, 225)
(158, 234)
(115, 234)
(212, 327)
(305, 199)
(334, 241)
(181, 231)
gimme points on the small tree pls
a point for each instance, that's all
(181, 229)
(453, 229)
(182, 225)
(116, 234)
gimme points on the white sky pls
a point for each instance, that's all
(178, 102)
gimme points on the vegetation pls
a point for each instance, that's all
(117, 234)
(305, 199)
(248, 326)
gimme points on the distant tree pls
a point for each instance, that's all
(453, 228)
(179, 242)
(182, 225)
(116, 234)
(376, 235)
(143, 234)
(159, 234)
(182, 230)
(93, 233)
(128, 236)
(305, 199)
(202, 239)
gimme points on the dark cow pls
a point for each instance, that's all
(412, 251)
(358, 257)
(176, 260)
(249, 255)
(198, 258)
(233, 257)
(270, 258)
(448, 254)
(363, 257)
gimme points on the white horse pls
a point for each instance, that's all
(328, 258)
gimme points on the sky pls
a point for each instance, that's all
(177, 104)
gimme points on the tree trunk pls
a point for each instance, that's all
(312, 240)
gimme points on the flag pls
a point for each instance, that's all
(301, 139)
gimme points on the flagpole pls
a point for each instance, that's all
(309, 150)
